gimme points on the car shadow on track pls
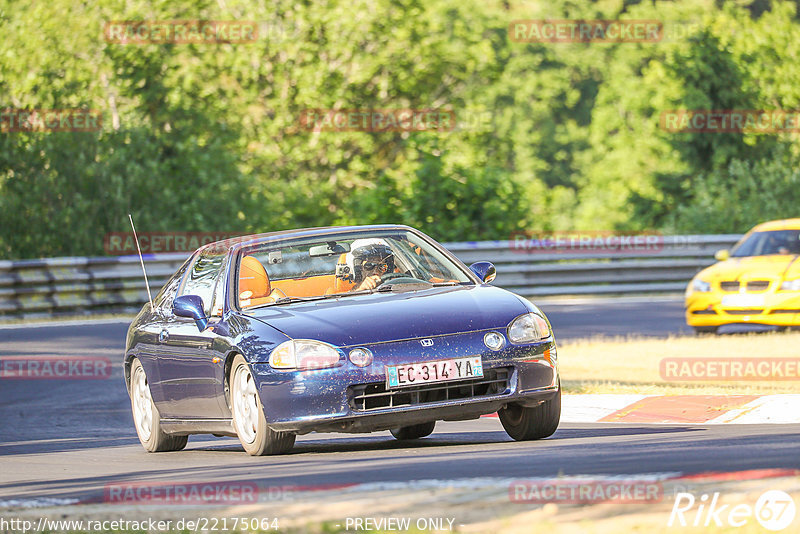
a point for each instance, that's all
(363, 443)
(366, 443)
(340, 443)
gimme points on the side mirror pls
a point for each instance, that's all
(191, 306)
(484, 270)
(722, 255)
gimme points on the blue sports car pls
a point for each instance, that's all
(346, 329)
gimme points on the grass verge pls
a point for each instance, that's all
(631, 365)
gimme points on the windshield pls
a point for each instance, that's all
(342, 264)
(766, 243)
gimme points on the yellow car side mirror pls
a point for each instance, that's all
(722, 255)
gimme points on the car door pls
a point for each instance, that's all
(148, 344)
(190, 373)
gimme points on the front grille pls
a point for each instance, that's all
(752, 285)
(758, 285)
(704, 312)
(754, 311)
(786, 311)
(364, 397)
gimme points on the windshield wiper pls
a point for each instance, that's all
(287, 300)
(411, 286)
(349, 293)
(416, 286)
(385, 288)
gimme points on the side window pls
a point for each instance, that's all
(165, 297)
(203, 276)
(219, 295)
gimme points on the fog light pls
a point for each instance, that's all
(494, 341)
(361, 357)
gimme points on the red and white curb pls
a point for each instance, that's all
(671, 409)
(680, 409)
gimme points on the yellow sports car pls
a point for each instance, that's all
(757, 282)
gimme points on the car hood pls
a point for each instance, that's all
(754, 267)
(378, 317)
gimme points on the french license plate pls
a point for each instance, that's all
(413, 374)
(742, 301)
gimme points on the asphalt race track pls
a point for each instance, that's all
(69, 438)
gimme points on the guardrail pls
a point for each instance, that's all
(57, 286)
(530, 271)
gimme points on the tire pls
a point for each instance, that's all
(524, 424)
(414, 431)
(248, 415)
(705, 330)
(146, 417)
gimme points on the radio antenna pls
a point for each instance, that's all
(146, 284)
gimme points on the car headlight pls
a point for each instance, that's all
(701, 286)
(791, 285)
(304, 354)
(527, 328)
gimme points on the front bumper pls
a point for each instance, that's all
(332, 400)
(777, 308)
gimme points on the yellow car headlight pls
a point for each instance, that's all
(791, 285)
(700, 286)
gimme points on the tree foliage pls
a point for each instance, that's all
(550, 136)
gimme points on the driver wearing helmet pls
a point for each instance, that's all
(367, 261)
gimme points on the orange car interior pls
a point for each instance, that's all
(254, 286)
(310, 286)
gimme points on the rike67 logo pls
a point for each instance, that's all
(774, 510)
